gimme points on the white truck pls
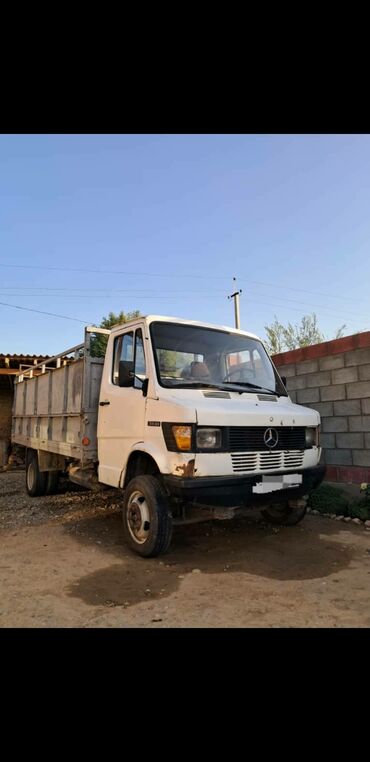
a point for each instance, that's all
(189, 421)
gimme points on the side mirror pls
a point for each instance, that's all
(126, 373)
(283, 378)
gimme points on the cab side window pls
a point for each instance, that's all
(123, 350)
(140, 368)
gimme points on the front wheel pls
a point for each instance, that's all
(36, 480)
(285, 514)
(147, 519)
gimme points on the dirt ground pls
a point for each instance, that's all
(63, 563)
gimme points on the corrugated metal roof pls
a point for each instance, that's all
(24, 357)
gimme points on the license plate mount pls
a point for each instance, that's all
(274, 482)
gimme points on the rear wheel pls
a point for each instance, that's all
(35, 479)
(147, 519)
(285, 514)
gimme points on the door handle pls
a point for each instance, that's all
(104, 402)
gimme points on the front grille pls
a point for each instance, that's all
(250, 438)
(266, 461)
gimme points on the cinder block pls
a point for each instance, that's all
(359, 422)
(347, 407)
(344, 376)
(338, 457)
(350, 440)
(336, 392)
(361, 457)
(318, 379)
(296, 382)
(364, 372)
(335, 424)
(361, 389)
(327, 440)
(357, 357)
(287, 370)
(293, 396)
(307, 366)
(367, 441)
(365, 406)
(324, 408)
(332, 362)
(307, 395)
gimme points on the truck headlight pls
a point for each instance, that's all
(312, 436)
(208, 439)
(182, 435)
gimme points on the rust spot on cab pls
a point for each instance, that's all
(186, 469)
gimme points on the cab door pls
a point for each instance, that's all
(121, 417)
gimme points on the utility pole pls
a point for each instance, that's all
(235, 296)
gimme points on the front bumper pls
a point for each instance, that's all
(237, 490)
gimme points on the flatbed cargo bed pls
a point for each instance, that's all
(56, 409)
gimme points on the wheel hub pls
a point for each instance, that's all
(134, 516)
(138, 517)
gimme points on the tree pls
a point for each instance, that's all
(99, 342)
(281, 338)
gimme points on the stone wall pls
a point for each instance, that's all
(334, 378)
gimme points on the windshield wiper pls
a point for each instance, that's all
(221, 385)
(196, 385)
(253, 386)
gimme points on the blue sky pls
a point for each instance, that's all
(179, 216)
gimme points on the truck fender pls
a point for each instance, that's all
(176, 463)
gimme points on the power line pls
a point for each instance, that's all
(91, 322)
(107, 272)
(171, 275)
(189, 296)
(42, 312)
(111, 290)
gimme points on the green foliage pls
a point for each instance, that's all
(360, 508)
(275, 337)
(281, 338)
(328, 499)
(167, 360)
(99, 342)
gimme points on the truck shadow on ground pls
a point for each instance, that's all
(243, 546)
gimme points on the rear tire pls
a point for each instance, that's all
(286, 514)
(35, 479)
(147, 519)
(52, 482)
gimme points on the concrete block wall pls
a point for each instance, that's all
(334, 378)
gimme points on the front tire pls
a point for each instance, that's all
(147, 520)
(35, 479)
(285, 514)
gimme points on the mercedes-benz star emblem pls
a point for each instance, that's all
(271, 438)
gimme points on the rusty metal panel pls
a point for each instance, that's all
(18, 400)
(57, 398)
(30, 398)
(74, 396)
(54, 408)
(42, 392)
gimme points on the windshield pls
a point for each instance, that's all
(189, 355)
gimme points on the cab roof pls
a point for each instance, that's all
(170, 319)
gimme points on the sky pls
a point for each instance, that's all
(163, 223)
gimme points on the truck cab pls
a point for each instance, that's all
(195, 422)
